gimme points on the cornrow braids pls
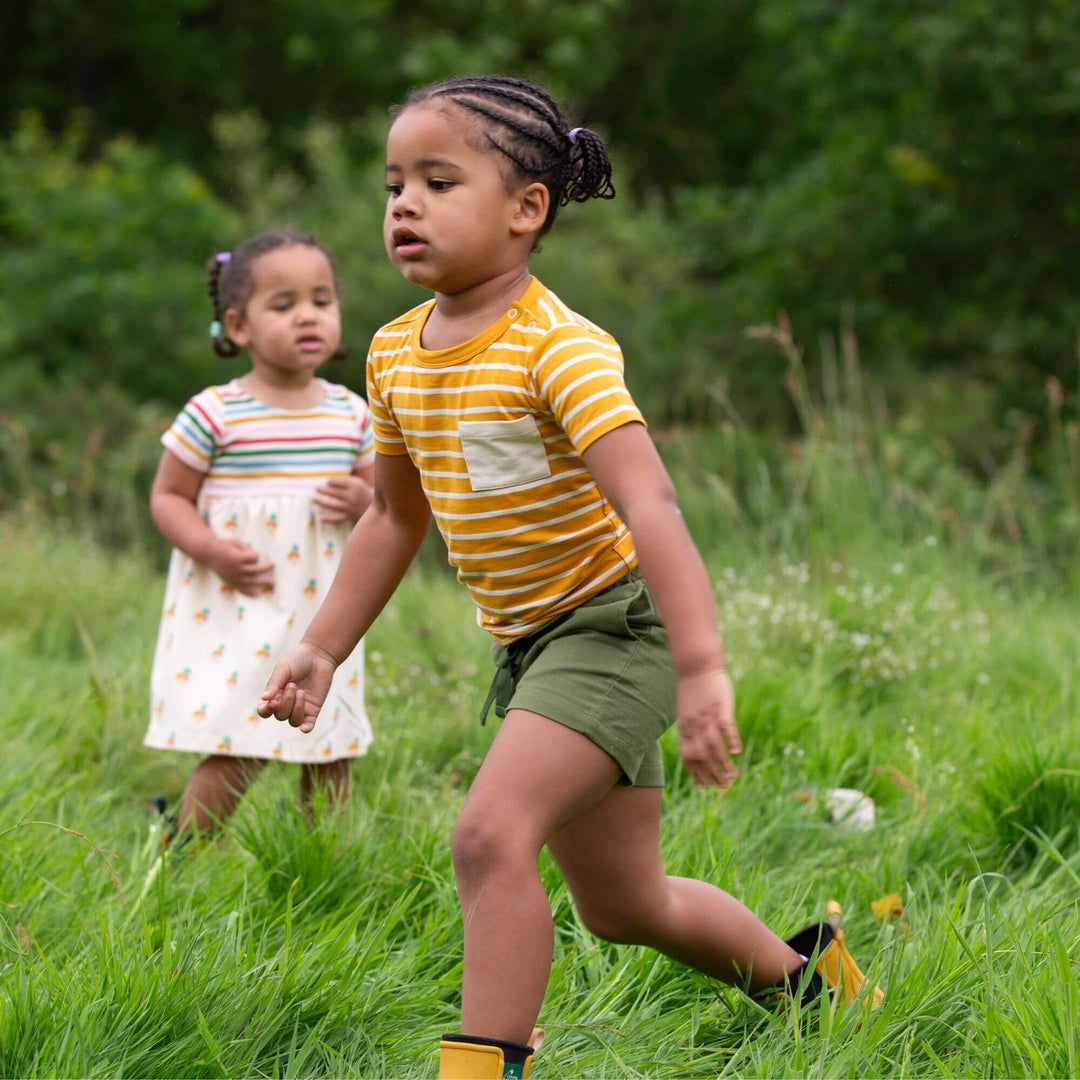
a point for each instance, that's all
(525, 124)
(230, 282)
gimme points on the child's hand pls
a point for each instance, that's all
(298, 687)
(708, 737)
(343, 498)
(240, 566)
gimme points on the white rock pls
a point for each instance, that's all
(850, 807)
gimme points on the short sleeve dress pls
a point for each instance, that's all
(216, 647)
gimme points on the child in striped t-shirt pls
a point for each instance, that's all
(504, 414)
(260, 482)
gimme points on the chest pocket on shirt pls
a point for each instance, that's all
(501, 453)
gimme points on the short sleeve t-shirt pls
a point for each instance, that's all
(497, 427)
(244, 445)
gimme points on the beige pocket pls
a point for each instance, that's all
(501, 453)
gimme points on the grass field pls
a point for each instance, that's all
(871, 655)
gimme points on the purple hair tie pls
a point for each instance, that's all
(572, 135)
(223, 257)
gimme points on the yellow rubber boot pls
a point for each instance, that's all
(837, 966)
(467, 1057)
(833, 963)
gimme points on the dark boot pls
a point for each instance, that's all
(832, 966)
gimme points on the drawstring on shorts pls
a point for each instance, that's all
(508, 657)
(502, 684)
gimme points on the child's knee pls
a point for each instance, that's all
(233, 771)
(608, 923)
(480, 844)
(618, 917)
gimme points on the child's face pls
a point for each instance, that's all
(450, 221)
(291, 322)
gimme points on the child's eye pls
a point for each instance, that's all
(394, 189)
(440, 185)
(281, 307)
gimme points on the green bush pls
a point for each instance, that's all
(103, 318)
(99, 262)
(103, 309)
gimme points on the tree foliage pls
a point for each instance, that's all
(906, 167)
(160, 69)
(915, 160)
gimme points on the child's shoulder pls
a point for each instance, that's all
(211, 405)
(222, 393)
(340, 395)
(544, 312)
(403, 323)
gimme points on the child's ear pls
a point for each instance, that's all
(532, 209)
(234, 327)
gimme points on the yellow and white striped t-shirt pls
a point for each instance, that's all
(497, 427)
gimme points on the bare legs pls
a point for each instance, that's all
(216, 786)
(610, 858)
(543, 783)
(537, 776)
(219, 782)
(333, 777)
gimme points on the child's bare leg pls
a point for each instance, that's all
(216, 786)
(536, 776)
(331, 776)
(610, 857)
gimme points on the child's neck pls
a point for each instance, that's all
(460, 316)
(282, 390)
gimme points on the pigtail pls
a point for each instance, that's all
(588, 171)
(220, 341)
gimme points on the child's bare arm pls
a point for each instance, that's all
(375, 559)
(633, 478)
(173, 508)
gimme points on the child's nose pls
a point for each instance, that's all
(405, 204)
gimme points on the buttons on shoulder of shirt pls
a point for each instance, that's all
(513, 313)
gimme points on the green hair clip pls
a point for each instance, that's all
(215, 329)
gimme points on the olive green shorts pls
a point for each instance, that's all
(603, 669)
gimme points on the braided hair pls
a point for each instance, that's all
(230, 282)
(524, 123)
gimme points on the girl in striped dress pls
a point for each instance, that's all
(503, 413)
(259, 485)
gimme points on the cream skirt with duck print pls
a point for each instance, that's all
(216, 647)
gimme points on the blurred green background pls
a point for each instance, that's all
(843, 266)
(898, 179)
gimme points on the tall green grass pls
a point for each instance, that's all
(843, 472)
(852, 472)
(887, 629)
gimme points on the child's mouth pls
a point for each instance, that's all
(309, 344)
(407, 244)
